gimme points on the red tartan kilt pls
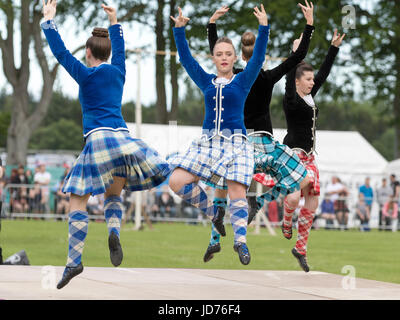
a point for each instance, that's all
(312, 172)
(264, 179)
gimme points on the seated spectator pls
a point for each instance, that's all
(327, 212)
(389, 214)
(29, 176)
(368, 192)
(95, 205)
(35, 199)
(62, 201)
(363, 213)
(189, 211)
(43, 178)
(18, 195)
(165, 203)
(383, 195)
(341, 209)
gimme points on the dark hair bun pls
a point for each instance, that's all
(248, 39)
(100, 32)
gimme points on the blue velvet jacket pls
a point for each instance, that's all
(224, 103)
(101, 87)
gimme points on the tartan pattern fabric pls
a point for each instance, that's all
(215, 236)
(217, 160)
(77, 230)
(238, 210)
(115, 153)
(305, 222)
(277, 167)
(287, 214)
(264, 179)
(312, 171)
(276, 164)
(113, 211)
(193, 194)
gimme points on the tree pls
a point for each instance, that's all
(24, 118)
(63, 134)
(154, 14)
(376, 48)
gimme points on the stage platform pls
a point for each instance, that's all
(37, 283)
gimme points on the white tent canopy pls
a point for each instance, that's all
(393, 167)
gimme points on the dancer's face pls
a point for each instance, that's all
(224, 57)
(305, 84)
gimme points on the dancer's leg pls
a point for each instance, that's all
(220, 202)
(113, 211)
(238, 210)
(291, 202)
(77, 230)
(305, 221)
(185, 185)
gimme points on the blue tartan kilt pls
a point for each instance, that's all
(217, 160)
(279, 162)
(109, 154)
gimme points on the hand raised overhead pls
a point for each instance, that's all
(308, 11)
(111, 13)
(49, 9)
(180, 21)
(261, 15)
(337, 39)
(219, 13)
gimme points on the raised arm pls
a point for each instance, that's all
(74, 67)
(192, 67)
(212, 27)
(290, 87)
(300, 46)
(326, 66)
(250, 73)
(117, 39)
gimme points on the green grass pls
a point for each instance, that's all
(375, 255)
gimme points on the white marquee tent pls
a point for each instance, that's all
(393, 167)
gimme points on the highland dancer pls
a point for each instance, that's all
(111, 159)
(277, 165)
(301, 116)
(223, 152)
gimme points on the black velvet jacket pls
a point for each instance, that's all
(301, 117)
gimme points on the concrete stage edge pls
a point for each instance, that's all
(37, 283)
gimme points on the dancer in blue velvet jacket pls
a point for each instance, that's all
(111, 159)
(223, 152)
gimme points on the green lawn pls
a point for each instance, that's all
(375, 255)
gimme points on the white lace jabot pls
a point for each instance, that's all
(309, 100)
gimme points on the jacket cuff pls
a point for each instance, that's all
(49, 24)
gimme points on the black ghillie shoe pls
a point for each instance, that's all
(69, 273)
(287, 231)
(218, 221)
(116, 254)
(211, 249)
(302, 259)
(243, 252)
(253, 208)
